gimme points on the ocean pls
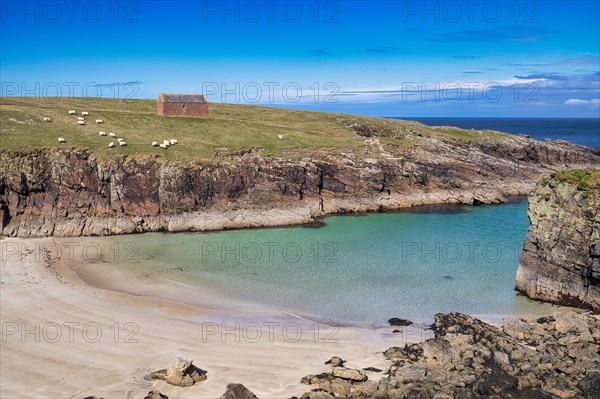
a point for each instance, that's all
(365, 269)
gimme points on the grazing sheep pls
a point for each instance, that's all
(163, 146)
(81, 122)
(85, 113)
(99, 121)
(112, 134)
(79, 118)
(102, 133)
(119, 140)
(173, 142)
(166, 142)
(154, 144)
(72, 112)
(61, 140)
(122, 143)
(111, 144)
(46, 119)
(281, 136)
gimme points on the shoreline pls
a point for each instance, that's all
(49, 293)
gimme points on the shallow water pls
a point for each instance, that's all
(354, 269)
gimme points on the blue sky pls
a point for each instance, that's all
(385, 58)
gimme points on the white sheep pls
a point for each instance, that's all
(281, 136)
(72, 112)
(46, 119)
(102, 133)
(61, 140)
(166, 142)
(85, 113)
(119, 140)
(111, 144)
(122, 143)
(99, 121)
(111, 134)
(163, 146)
(173, 141)
(79, 118)
(81, 122)
(154, 144)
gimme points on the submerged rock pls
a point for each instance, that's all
(396, 322)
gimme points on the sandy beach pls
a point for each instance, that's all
(64, 338)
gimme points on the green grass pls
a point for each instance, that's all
(233, 127)
(584, 179)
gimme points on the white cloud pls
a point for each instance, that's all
(577, 101)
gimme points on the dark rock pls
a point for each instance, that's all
(545, 319)
(498, 382)
(155, 395)
(237, 391)
(336, 361)
(590, 386)
(396, 322)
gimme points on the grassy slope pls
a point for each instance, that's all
(230, 126)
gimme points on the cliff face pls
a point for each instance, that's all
(561, 257)
(73, 192)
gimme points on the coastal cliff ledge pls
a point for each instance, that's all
(561, 256)
(245, 166)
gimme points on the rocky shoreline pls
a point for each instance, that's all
(553, 357)
(71, 192)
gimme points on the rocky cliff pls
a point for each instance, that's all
(561, 257)
(73, 192)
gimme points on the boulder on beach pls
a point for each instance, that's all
(238, 391)
(181, 373)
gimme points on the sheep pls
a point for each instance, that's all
(102, 133)
(119, 140)
(99, 121)
(46, 119)
(85, 113)
(122, 143)
(111, 134)
(167, 143)
(79, 118)
(81, 122)
(163, 146)
(61, 140)
(111, 144)
(281, 136)
(173, 142)
(72, 112)
(154, 144)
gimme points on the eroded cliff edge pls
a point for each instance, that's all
(561, 256)
(73, 192)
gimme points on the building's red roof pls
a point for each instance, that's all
(182, 98)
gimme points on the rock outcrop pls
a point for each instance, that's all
(555, 357)
(181, 373)
(237, 391)
(70, 192)
(561, 257)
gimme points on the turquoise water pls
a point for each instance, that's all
(357, 269)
